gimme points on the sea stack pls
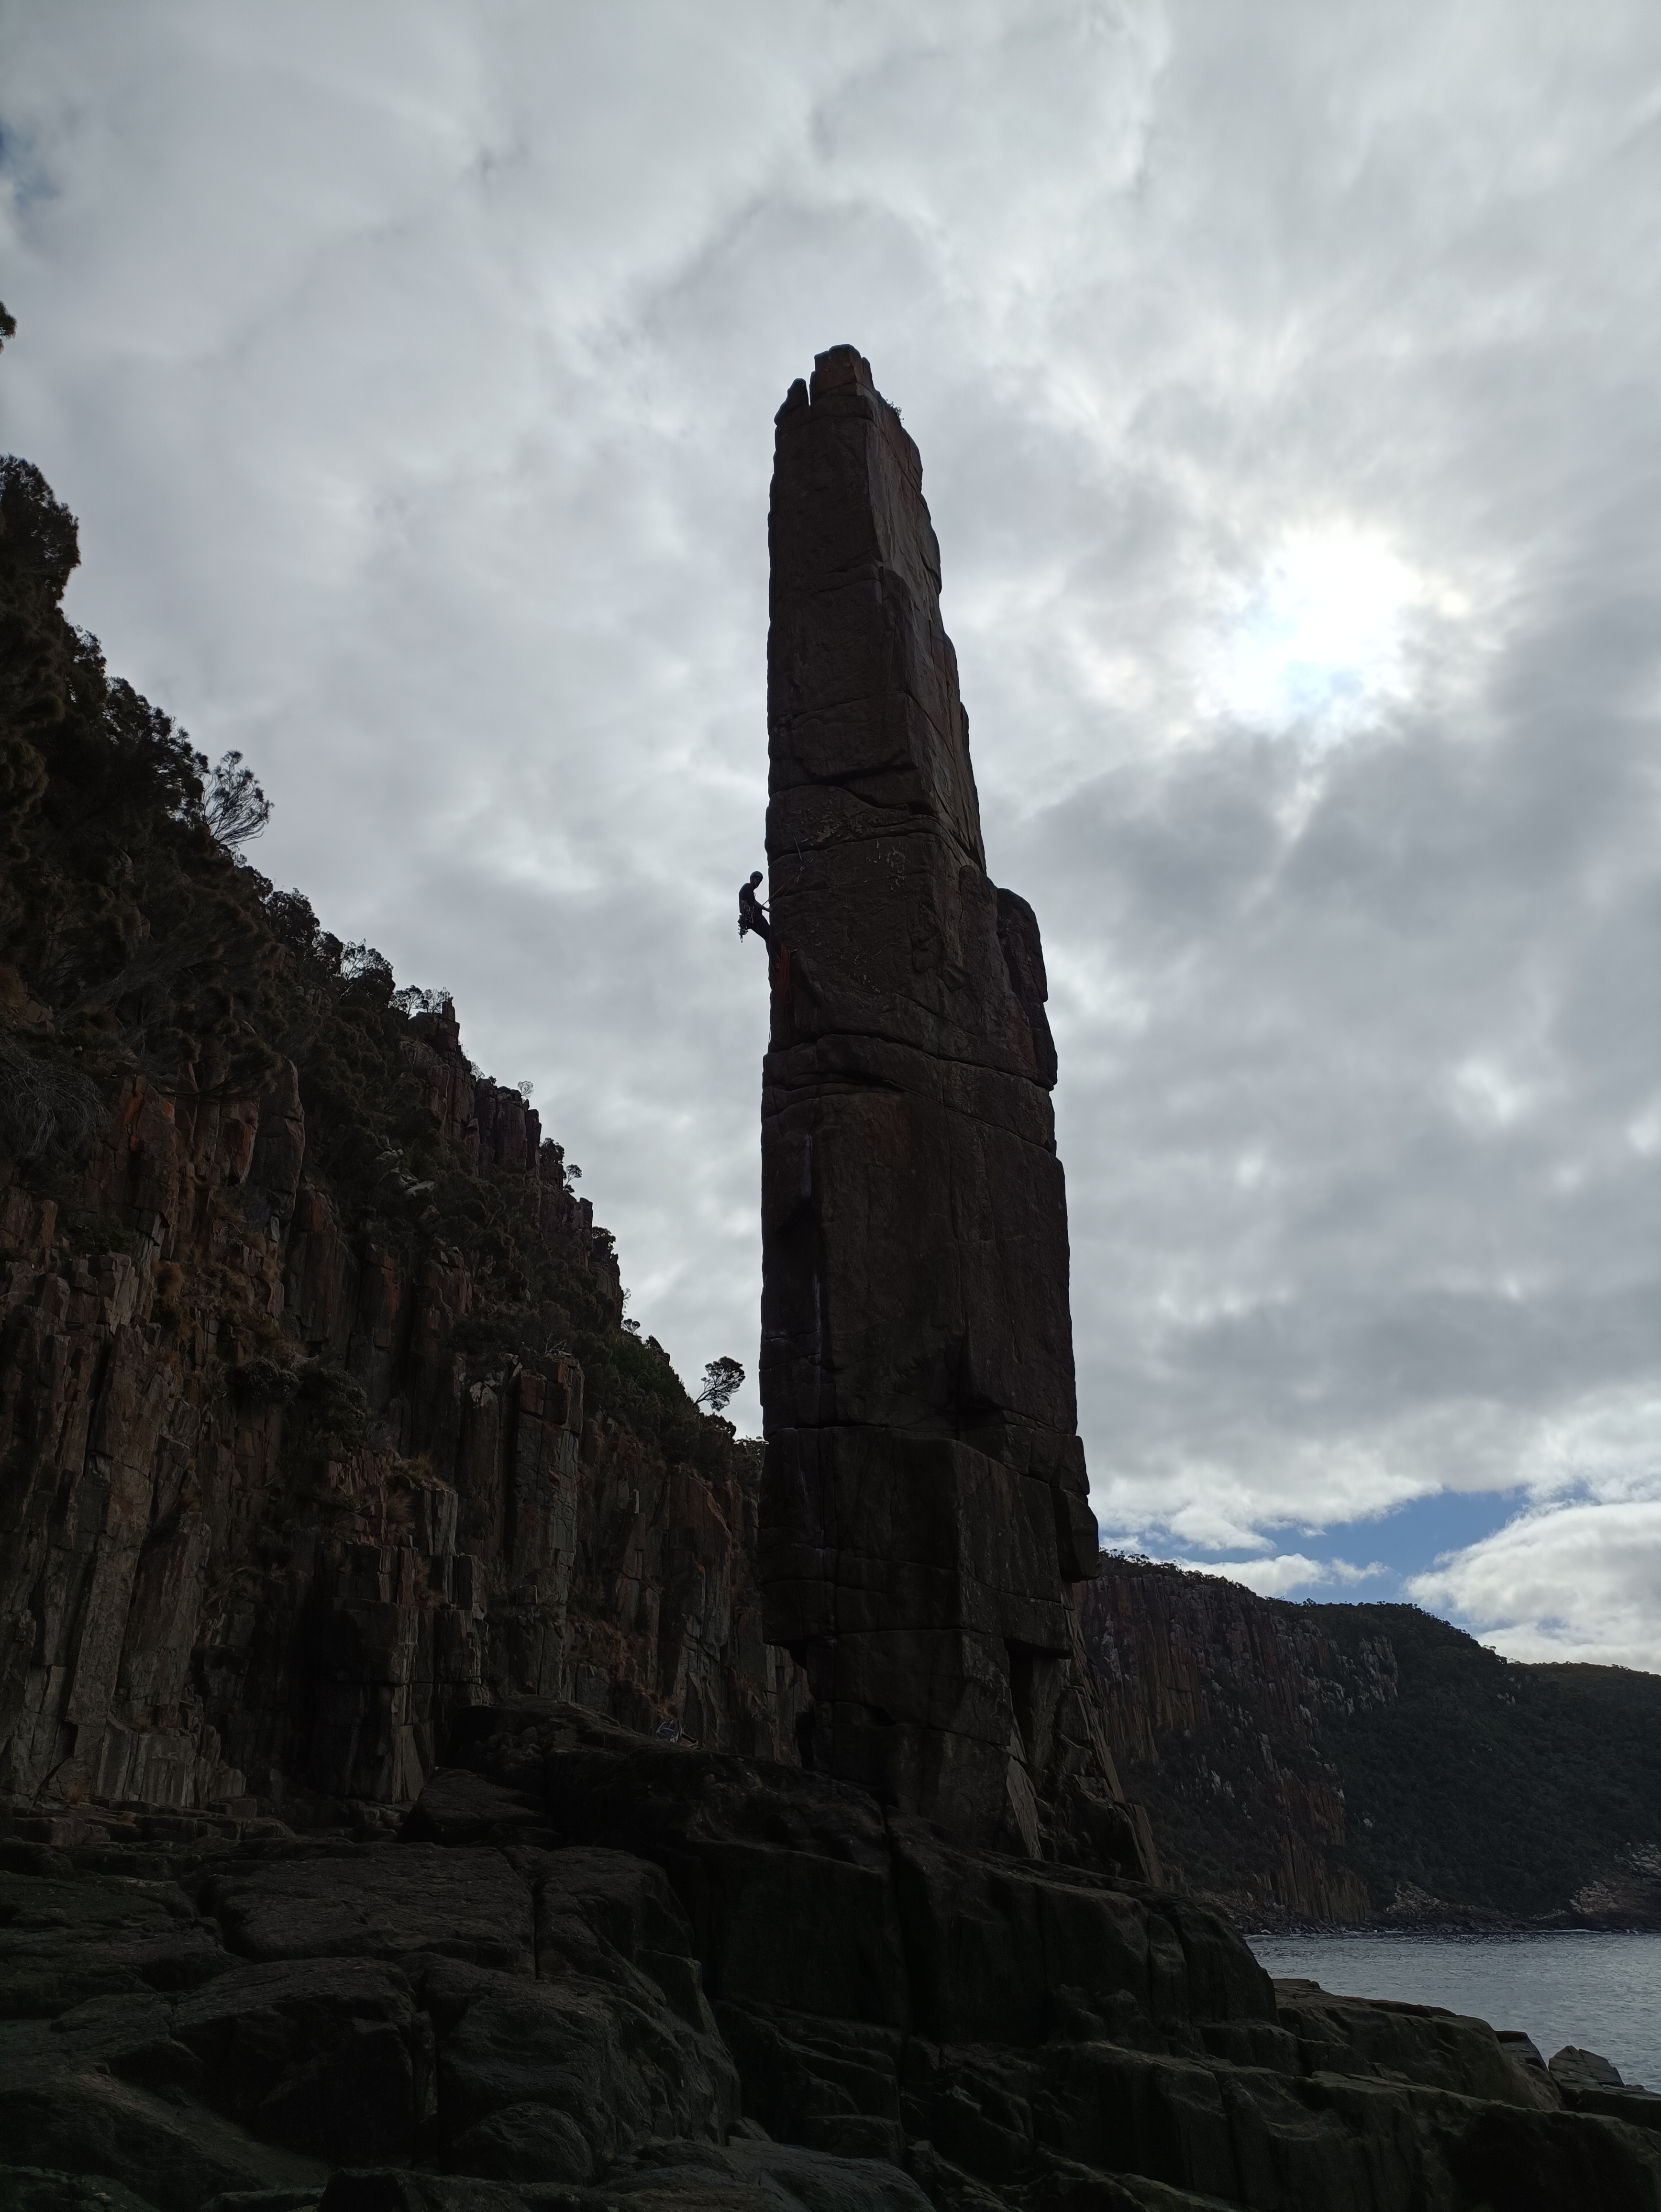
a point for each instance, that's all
(925, 1507)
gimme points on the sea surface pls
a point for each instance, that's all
(1601, 1992)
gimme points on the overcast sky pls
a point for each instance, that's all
(1285, 381)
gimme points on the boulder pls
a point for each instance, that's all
(1574, 2068)
(66, 1938)
(374, 1903)
(327, 2056)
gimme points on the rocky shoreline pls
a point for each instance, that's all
(589, 1968)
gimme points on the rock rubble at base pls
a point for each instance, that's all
(594, 1969)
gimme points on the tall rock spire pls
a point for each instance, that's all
(925, 1507)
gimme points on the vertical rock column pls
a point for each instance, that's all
(925, 1504)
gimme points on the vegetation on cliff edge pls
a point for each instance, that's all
(1506, 1787)
(136, 939)
(1350, 1764)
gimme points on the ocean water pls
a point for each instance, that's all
(1601, 1992)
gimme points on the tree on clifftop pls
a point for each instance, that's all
(722, 1379)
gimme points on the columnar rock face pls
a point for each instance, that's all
(263, 1527)
(925, 1506)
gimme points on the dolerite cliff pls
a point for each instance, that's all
(1360, 1763)
(275, 1506)
(319, 1423)
(1212, 1698)
(925, 1511)
(332, 1478)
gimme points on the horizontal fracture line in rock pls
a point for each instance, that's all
(925, 1436)
(904, 1044)
(881, 700)
(905, 827)
(862, 572)
(908, 824)
(835, 1087)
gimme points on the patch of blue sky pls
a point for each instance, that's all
(1370, 1559)
(24, 176)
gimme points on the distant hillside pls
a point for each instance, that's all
(1367, 1763)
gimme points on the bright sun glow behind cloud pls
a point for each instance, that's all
(1319, 642)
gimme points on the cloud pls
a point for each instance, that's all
(1278, 1576)
(1574, 1579)
(1283, 385)
(1318, 646)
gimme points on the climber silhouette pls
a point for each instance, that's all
(752, 914)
